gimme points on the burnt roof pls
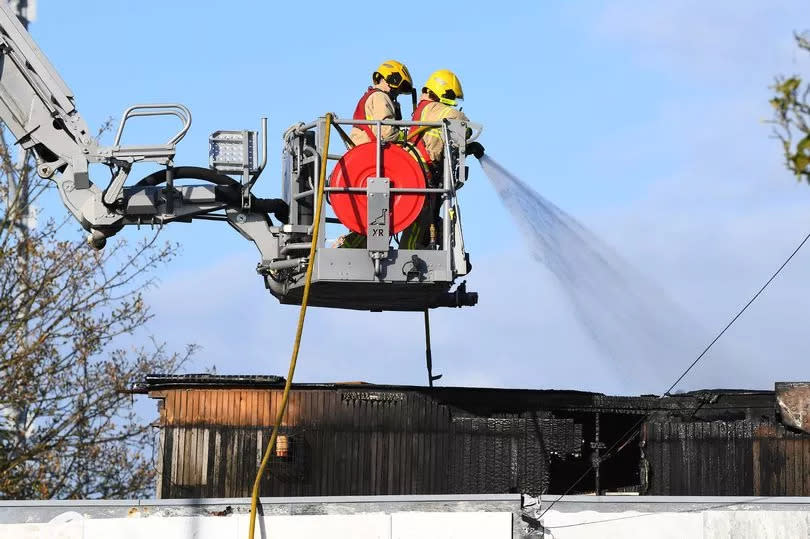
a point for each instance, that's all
(704, 403)
(154, 382)
(244, 381)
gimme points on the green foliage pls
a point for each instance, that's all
(792, 118)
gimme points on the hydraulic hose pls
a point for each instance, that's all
(316, 225)
(233, 196)
(227, 189)
(188, 173)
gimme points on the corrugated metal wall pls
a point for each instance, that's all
(351, 442)
(719, 458)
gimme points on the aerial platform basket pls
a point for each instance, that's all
(376, 190)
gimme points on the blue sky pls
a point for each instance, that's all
(644, 120)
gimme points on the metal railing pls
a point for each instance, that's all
(303, 145)
(159, 109)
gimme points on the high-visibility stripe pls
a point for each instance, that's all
(446, 112)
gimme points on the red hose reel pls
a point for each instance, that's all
(358, 165)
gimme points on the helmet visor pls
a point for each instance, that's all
(449, 97)
(404, 88)
(396, 81)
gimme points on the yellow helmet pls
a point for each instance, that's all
(445, 84)
(396, 75)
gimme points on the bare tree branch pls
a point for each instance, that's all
(66, 429)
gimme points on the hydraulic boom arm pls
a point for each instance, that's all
(38, 108)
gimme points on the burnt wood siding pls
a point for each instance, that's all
(351, 442)
(726, 458)
(357, 439)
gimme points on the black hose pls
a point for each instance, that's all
(190, 173)
(227, 189)
(233, 195)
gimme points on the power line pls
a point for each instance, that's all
(623, 439)
(632, 431)
(755, 296)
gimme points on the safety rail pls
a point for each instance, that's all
(447, 188)
(403, 190)
(377, 123)
(475, 128)
(157, 109)
(344, 121)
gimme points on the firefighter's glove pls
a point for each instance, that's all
(476, 149)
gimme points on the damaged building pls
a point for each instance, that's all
(363, 439)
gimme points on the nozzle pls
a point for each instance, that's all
(458, 298)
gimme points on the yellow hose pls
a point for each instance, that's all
(316, 225)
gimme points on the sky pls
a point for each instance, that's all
(645, 121)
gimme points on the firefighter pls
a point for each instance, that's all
(440, 96)
(380, 103)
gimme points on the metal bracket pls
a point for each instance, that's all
(428, 353)
(414, 269)
(115, 190)
(47, 170)
(378, 231)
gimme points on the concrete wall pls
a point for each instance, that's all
(383, 517)
(369, 526)
(414, 517)
(581, 517)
